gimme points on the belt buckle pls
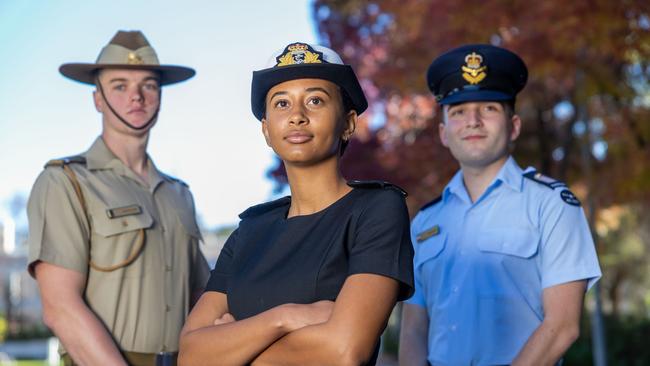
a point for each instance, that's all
(166, 358)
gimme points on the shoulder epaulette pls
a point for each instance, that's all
(376, 184)
(174, 179)
(431, 203)
(544, 180)
(76, 159)
(265, 207)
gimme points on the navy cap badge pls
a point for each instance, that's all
(473, 71)
(299, 53)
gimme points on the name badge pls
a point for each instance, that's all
(113, 213)
(433, 231)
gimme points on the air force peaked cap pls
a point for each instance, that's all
(476, 72)
(304, 61)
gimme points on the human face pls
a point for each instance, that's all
(133, 94)
(478, 134)
(305, 122)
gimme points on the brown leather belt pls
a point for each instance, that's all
(139, 359)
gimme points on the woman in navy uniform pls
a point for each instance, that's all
(310, 278)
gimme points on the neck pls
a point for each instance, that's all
(477, 179)
(313, 188)
(131, 150)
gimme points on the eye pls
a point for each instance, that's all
(315, 101)
(151, 86)
(456, 112)
(282, 103)
(120, 87)
(493, 107)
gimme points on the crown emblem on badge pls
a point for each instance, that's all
(134, 59)
(473, 72)
(299, 53)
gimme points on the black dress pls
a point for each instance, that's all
(272, 260)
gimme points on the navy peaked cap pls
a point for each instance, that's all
(476, 72)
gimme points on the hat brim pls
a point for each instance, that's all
(85, 73)
(341, 75)
(475, 96)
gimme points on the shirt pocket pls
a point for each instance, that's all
(188, 222)
(107, 226)
(429, 249)
(116, 238)
(516, 242)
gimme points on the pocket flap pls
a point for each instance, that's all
(127, 221)
(511, 241)
(430, 248)
(189, 224)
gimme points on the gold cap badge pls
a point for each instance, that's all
(134, 59)
(473, 72)
(299, 53)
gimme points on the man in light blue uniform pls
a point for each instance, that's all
(504, 256)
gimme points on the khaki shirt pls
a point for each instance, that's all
(144, 304)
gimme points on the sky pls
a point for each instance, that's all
(206, 134)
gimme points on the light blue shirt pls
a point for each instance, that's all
(480, 267)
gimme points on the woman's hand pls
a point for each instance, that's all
(296, 316)
(225, 319)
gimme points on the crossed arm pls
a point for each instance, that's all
(65, 312)
(342, 333)
(559, 329)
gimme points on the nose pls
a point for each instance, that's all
(137, 95)
(473, 118)
(298, 116)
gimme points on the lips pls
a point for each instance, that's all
(136, 110)
(474, 137)
(298, 137)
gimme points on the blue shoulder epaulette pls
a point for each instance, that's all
(544, 180)
(565, 194)
(174, 179)
(376, 184)
(431, 203)
(265, 207)
(75, 159)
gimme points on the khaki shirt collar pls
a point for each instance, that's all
(99, 157)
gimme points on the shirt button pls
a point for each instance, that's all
(168, 268)
(455, 289)
(453, 328)
(167, 308)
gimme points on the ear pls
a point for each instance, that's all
(516, 127)
(442, 134)
(99, 102)
(265, 132)
(350, 124)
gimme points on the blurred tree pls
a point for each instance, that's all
(589, 83)
(584, 55)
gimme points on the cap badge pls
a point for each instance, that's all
(299, 53)
(473, 72)
(134, 59)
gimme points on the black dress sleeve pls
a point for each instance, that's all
(382, 242)
(220, 275)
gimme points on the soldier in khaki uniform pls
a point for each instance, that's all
(113, 242)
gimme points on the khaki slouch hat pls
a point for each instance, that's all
(127, 50)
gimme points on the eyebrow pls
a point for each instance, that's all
(318, 89)
(148, 78)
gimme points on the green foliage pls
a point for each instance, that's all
(627, 343)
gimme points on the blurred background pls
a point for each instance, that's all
(586, 113)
